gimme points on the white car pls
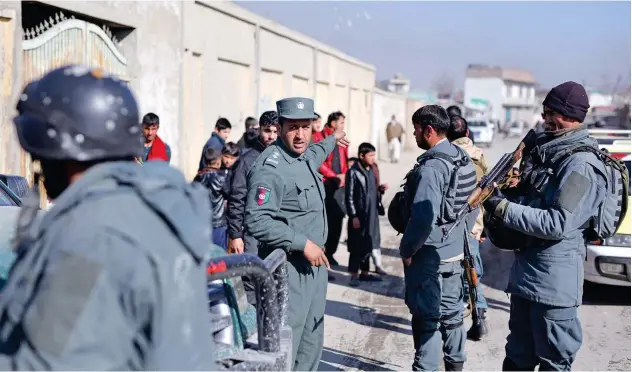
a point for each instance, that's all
(608, 262)
(516, 129)
(482, 131)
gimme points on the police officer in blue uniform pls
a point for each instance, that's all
(113, 276)
(547, 225)
(437, 187)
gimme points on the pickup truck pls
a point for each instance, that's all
(245, 337)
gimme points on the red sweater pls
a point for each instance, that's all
(326, 168)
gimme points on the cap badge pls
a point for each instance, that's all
(300, 105)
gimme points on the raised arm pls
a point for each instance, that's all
(318, 152)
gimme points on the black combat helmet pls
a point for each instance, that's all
(78, 113)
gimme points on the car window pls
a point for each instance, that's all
(477, 124)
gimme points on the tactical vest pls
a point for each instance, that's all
(457, 189)
(613, 209)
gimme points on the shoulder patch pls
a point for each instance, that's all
(272, 159)
(262, 195)
(573, 191)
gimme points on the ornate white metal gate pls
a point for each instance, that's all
(59, 41)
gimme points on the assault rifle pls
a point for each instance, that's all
(498, 175)
(471, 277)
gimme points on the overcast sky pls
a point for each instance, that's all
(557, 41)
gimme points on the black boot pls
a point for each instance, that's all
(509, 365)
(453, 366)
(479, 329)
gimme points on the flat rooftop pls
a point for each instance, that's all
(509, 74)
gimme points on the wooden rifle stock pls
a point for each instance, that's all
(497, 175)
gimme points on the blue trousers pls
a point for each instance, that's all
(436, 303)
(220, 236)
(481, 302)
(544, 335)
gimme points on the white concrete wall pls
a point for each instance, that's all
(193, 62)
(490, 89)
(153, 51)
(385, 105)
(243, 63)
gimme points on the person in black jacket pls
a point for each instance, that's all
(214, 179)
(237, 241)
(362, 199)
(251, 126)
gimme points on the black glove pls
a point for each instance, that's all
(491, 204)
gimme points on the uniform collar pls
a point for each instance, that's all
(439, 145)
(287, 154)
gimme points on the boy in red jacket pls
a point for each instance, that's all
(333, 170)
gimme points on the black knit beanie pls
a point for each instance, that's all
(568, 99)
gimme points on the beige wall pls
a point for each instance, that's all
(152, 49)
(385, 105)
(247, 63)
(193, 62)
(10, 35)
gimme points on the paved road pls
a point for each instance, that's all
(368, 327)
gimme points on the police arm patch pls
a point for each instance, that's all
(262, 195)
(573, 191)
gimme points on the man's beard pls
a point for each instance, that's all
(421, 143)
(55, 180)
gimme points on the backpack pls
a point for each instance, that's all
(614, 208)
(400, 208)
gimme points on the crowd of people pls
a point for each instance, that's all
(113, 275)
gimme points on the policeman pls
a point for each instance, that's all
(459, 135)
(547, 276)
(285, 209)
(113, 277)
(437, 188)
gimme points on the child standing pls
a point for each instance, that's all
(361, 199)
(214, 179)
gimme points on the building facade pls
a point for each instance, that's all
(509, 94)
(189, 62)
(397, 84)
